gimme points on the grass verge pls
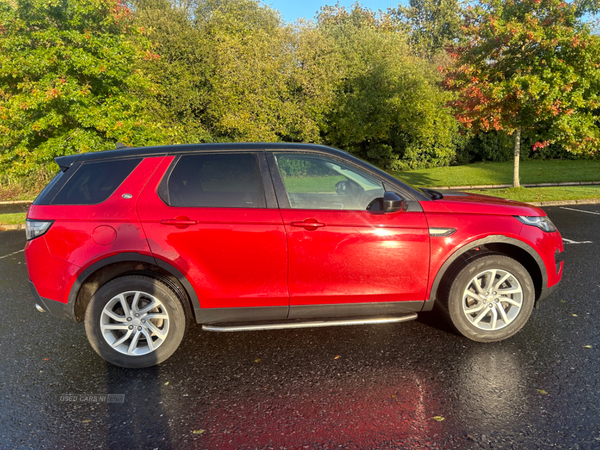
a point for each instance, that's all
(486, 173)
(544, 194)
(12, 219)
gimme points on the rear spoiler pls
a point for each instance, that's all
(64, 162)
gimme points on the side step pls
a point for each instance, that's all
(307, 323)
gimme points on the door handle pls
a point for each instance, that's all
(179, 222)
(309, 224)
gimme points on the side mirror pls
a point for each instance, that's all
(389, 203)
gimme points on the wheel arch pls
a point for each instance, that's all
(99, 273)
(499, 244)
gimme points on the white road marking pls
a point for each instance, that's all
(569, 241)
(581, 210)
(13, 253)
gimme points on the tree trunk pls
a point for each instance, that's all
(516, 179)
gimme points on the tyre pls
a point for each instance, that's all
(490, 299)
(135, 321)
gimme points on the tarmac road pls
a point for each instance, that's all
(344, 387)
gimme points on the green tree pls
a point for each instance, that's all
(529, 66)
(68, 81)
(432, 24)
(232, 70)
(389, 108)
(255, 87)
(181, 74)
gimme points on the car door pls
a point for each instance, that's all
(214, 218)
(340, 253)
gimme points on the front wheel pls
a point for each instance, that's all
(491, 298)
(135, 321)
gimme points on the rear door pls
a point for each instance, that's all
(339, 252)
(214, 217)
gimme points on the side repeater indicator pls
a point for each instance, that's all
(441, 232)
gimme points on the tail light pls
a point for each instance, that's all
(36, 228)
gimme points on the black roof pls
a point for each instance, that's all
(65, 162)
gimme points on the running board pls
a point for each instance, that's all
(308, 324)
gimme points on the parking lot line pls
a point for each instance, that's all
(13, 253)
(581, 210)
(569, 241)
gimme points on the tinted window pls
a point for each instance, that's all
(94, 182)
(316, 182)
(226, 181)
(44, 198)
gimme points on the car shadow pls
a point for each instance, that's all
(435, 319)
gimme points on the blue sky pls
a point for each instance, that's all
(292, 10)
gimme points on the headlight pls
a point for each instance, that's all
(35, 228)
(542, 222)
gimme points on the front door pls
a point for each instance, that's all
(339, 252)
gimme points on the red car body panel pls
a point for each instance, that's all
(54, 277)
(356, 256)
(545, 244)
(475, 217)
(84, 234)
(463, 203)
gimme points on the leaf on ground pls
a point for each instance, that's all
(438, 418)
(574, 315)
(563, 301)
(337, 357)
(586, 346)
(541, 391)
(257, 360)
(167, 383)
(86, 421)
(198, 431)
(46, 359)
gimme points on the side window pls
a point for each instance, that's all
(216, 181)
(95, 181)
(317, 182)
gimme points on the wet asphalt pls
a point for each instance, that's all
(377, 386)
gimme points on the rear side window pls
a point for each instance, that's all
(42, 199)
(94, 182)
(216, 181)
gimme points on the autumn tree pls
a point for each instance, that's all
(68, 81)
(529, 66)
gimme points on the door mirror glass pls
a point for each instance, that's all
(389, 203)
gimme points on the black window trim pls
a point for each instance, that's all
(267, 184)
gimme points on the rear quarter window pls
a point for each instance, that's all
(45, 196)
(95, 181)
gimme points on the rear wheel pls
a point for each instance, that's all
(491, 298)
(135, 321)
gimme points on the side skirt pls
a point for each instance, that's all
(281, 313)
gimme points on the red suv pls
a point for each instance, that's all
(137, 242)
